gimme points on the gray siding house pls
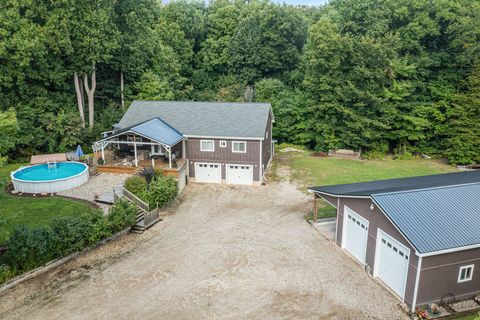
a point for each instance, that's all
(220, 142)
(419, 237)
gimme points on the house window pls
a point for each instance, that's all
(207, 145)
(465, 273)
(223, 144)
(239, 146)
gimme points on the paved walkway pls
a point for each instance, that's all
(96, 185)
(222, 253)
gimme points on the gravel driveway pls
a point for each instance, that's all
(222, 253)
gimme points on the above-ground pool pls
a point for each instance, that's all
(51, 177)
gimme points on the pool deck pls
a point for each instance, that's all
(97, 185)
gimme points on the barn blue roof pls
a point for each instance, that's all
(435, 219)
(154, 129)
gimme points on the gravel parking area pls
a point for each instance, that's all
(221, 253)
(96, 185)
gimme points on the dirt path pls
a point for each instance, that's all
(226, 253)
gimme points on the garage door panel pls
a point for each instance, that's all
(391, 263)
(355, 234)
(208, 172)
(239, 174)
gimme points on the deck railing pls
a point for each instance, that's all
(136, 200)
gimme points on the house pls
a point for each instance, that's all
(218, 142)
(420, 236)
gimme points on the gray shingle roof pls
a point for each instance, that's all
(222, 119)
(435, 219)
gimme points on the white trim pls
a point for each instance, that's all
(378, 247)
(245, 143)
(260, 169)
(470, 266)
(367, 225)
(201, 145)
(224, 137)
(160, 153)
(439, 252)
(336, 222)
(223, 143)
(417, 281)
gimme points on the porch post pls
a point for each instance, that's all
(135, 149)
(103, 153)
(170, 157)
(183, 150)
(315, 208)
(153, 163)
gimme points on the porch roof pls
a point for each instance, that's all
(154, 129)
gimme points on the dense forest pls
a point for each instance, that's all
(398, 76)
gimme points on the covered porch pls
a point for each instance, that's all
(150, 144)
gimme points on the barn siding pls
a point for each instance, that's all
(376, 220)
(223, 155)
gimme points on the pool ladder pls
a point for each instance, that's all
(52, 164)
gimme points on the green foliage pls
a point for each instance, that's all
(29, 248)
(6, 273)
(69, 234)
(350, 74)
(121, 215)
(136, 185)
(162, 190)
(97, 226)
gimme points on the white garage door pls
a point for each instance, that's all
(391, 262)
(239, 174)
(355, 231)
(208, 172)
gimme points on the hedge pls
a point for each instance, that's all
(29, 248)
(161, 191)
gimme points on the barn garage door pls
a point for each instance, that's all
(391, 262)
(239, 174)
(355, 231)
(208, 172)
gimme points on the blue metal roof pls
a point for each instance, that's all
(435, 219)
(158, 130)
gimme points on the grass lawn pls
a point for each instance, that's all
(307, 171)
(32, 211)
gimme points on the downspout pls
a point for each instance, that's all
(417, 280)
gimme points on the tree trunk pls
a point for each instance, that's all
(122, 93)
(79, 94)
(249, 93)
(90, 94)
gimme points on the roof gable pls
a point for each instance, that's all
(435, 219)
(204, 119)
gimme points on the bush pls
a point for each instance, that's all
(69, 234)
(97, 225)
(28, 248)
(121, 216)
(163, 189)
(136, 185)
(6, 273)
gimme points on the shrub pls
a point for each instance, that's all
(100, 161)
(97, 225)
(121, 216)
(28, 248)
(69, 234)
(6, 273)
(163, 189)
(136, 185)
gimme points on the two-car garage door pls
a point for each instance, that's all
(391, 257)
(235, 173)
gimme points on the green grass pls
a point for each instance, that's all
(314, 171)
(307, 171)
(32, 211)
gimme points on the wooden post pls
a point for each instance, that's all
(153, 163)
(170, 157)
(103, 153)
(315, 208)
(135, 149)
(184, 156)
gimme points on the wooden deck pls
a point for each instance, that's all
(117, 169)
(163, 166)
